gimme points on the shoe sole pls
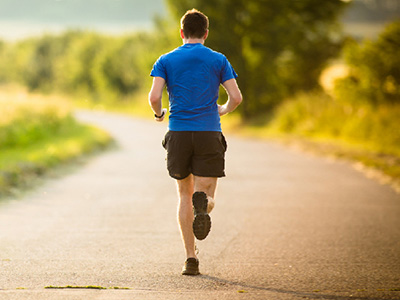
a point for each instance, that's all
(191, 268)
(189, 273)
(202, 220)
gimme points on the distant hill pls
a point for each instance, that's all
(81, 11)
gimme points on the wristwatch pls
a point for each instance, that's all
(162, 115)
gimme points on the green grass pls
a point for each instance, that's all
(372, 128)
(37, 134)
(89, 287)
(19, 166)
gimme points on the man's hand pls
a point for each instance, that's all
(163, 113)
(222, 110)
(234, 97)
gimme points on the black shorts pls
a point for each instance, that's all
(201, 153)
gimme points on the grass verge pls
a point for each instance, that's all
(37, 135)
(19, 167)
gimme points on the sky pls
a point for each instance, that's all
(23, 18)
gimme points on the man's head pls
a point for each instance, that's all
(194, 24)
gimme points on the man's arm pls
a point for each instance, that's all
(155, 97)
(234, 97)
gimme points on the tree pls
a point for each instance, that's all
(40, 68)
(374, 69)
(277, 47)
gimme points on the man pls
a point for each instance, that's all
(195, 144)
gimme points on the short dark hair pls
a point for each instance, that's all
(194, 24)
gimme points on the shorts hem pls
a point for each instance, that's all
(183, 177)
(212, 175)
(178, 177)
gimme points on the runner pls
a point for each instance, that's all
(194, 142)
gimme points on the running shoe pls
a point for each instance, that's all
(191, 267)
(202, 220)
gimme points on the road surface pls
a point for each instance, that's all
(286, 225)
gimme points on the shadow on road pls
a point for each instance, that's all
(308, 295)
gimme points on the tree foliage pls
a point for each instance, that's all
(374, 75)
(277, 47)
(82, 62)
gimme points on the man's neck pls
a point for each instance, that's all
(193, 41)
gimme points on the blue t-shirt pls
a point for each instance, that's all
(193, 74)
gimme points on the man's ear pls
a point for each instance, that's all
(182, 35)
(206, 35)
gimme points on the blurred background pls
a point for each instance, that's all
(27, 18)
(323, 72)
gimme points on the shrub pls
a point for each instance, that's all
(374, 70)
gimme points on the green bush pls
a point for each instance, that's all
(83, 63)
(374, 70)
(36, 135)
(25, 122)
(320, 116)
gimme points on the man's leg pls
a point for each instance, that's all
(203, 203)
(185, 214)
(207, 185)
(186, 188)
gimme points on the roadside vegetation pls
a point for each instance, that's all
(355, 117)
(359, 118)
(36, 134)
(279, 49)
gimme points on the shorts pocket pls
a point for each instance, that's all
(223, 142)
(165, 140)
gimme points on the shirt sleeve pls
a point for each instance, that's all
(227, 71)
(159, 69)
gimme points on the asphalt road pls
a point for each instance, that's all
(286, 225)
